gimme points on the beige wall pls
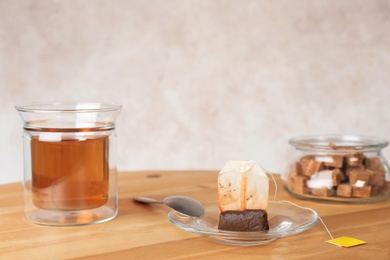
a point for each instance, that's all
(201, 82)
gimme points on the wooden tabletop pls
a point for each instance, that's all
(144, 232)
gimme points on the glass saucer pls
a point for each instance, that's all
(284, 217)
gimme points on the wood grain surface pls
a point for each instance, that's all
(144, 232)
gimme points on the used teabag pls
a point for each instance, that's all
(243, 196)
(243, 185)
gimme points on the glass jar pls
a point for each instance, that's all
(338, 168)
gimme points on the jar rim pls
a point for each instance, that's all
(72, 107)
(338, 143)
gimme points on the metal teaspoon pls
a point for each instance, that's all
(185, 205)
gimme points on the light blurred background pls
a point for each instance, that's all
(201, 82)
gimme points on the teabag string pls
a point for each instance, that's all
(340, 241)
(275, 193)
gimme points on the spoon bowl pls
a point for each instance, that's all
(185, 205)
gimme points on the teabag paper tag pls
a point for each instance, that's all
(346, 242)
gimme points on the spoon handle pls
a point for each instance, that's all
(147, 200)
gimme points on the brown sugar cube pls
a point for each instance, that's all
(361, 192)
(337, 177)
(344, 190)
(310, 165)
(348, 169)
(338, 147)
(298, 184)
(360, 175)
(385, 189)
(375, 190)
(374, 164)
(377, 178)
(354, 159)
(296, 170)
(334, 161)
(321, 192)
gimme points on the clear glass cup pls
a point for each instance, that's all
(338, 168)
(70, 175)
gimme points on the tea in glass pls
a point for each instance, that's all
(69, 159)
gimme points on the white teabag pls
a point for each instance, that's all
(243, 185)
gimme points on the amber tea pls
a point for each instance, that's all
(69, 173)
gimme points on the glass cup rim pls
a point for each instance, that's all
(68, 107)
(338, 143)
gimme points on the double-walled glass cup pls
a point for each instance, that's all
(70, 175)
